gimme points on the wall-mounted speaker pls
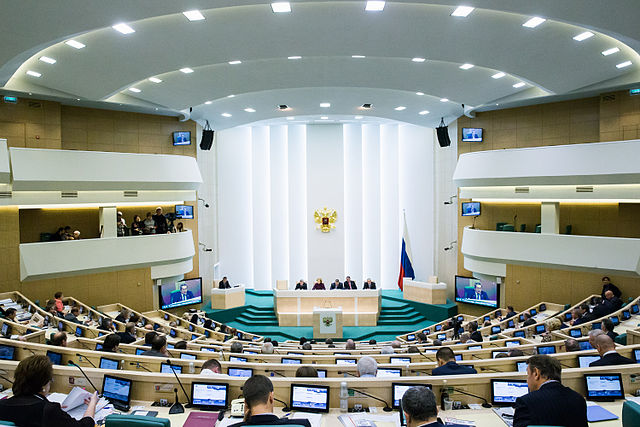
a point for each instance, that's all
(207, 137)
(443, 134)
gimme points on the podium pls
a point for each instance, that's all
(222, 299)
(327, 322)
(428, 293)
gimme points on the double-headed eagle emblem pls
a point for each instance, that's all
(325, 219)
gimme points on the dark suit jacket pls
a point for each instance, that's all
(611, 359)
(530, 321)
(270, 419)
(302, 287)
(224, 285)
(318, 287)
(120, 318)
(70, 317)
(552, 404)
(601, 310)
(350, 285)
(153, 353)
(178, 296)
(34, 411)
(366, 285)
(613, 288)
(476, 336)
(334, 286)
(472, 294)
(452, 368)
(126, 338)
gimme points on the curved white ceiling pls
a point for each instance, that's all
(326, 34)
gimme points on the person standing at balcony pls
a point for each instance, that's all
(149, 224)
(121, 225)
(160, 221)
(608, 286)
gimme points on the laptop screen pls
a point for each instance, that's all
(240, 372)
(521, 366)
(399, 390)
(389, 372)
(7, 352)
(575, 333)
(187, 356)
(108, 363)
(584, 361)
(512, 343)
(505, 392)
(239, 359)
(118, 389)
(165, 368)
(210, 396)
(519, 334)
(546, 349)
(310, 398)
(56, 358)
(604, 386)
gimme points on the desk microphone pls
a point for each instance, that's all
(72, 363)
(5, 378)
(275, 372)
(177, 407)
(286, 407)
(347, 373)
(486, 404)
(181, 386)
(28, 349)
(482, 368)
(139, 365)
(424, 355)
(85, 358)
(386, 408)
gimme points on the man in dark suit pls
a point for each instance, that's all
(369, 284)
(158, 347)
(528, 320)
(129, 334)
(224, 283)
(475, 334)
(420, 408)
(608, 355)
(614, 302)
(548, 401)
(258, 404)
(608, 286)
(336, 285)
(349, 284)
(301, 285)
(72, 316)
(607, 328)
(184, 294)
(476, 292)
(447, 364)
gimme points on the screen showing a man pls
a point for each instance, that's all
(181, 293)
(184, 294)
(476, 291)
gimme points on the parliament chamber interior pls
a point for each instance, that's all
(320, 213)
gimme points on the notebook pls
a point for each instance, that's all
(598, 413)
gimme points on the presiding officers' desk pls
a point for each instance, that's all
(359, 307)
(222, 299)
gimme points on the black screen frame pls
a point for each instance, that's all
(314, 410)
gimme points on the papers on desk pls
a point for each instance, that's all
(505, 414)
(73, 404)
(364, 419)
(314, 419)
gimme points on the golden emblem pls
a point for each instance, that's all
(325, 218)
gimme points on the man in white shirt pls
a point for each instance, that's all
(211, 368)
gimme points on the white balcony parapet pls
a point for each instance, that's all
(167, 255)
(5, 169)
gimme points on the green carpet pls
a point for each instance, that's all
(397, 316)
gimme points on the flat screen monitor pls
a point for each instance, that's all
(575, 333)
(209, 396)
(400, 360)
(533, 312)
(512, 343)
(117, 390)
(496, 329)
(585, 361)
(461, 318)
(495, 353)
(170, 346)
(604, 386)
(322, 373)
(441, 337)
(187, 356)
(567, 316)
(182, 293)
(636, 355)
(6, 330)
(194, 337)
(596, 325)
(191, 328)
(411, 337)
(56, 358)
(635, 309)
(471, 134)
(99, 346)
(106, 363)
(474, 347)
(207, 333)
(521, 318)
(626, 315)
(60, 326)
(479, 292)
(400, 389)
(438, 328)
(293, 353)
(426, 331)
(165, 368)
(505, 392)
(486, 319)
(546, 349)
(458, 357)
(7, 352)
(542, 307)
(309, 398)
(239, 359)
(79, 331)
(182, 138)
(172, 333)
(209, 349)
(346, 361)
(471, 209)
(615, 320)
(585, 345)
(389, 372)
(511, 324)
(239, 335)
(521, 366)
(184, 211)
(290, 361)
(166, 316)
(240, 372)
(540, 329)
(497, 314)
(139, 351)
(249, 352)
(519, 334)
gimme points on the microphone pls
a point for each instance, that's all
(486, 404)
(177, 407)
(347, 373)
(170, 355)
(424, 355)
(139, 365)
(72, 363)
(5, 378)
(422, 372)
(85, 358)
(386, 408)
(179, 382)
(28, 349)
(221, 415)
(286, 407)
(275, 372)
(489, 369)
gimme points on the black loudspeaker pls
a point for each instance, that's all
(207, 140)
(443, 134)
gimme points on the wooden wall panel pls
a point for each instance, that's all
(31, 124)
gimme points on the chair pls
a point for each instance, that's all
(567, 229)
(508, 227)
(117, 420)
(630, 414)
(621, 339)
(499, 225)
(523, 228)
(6, 423)
(538, 228)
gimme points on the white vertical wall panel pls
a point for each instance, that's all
(371, 202)
(325, 188)
(234, 174)
(298, 214)
(389, 207)
(261, 201)
(279, 204)
(353, 201)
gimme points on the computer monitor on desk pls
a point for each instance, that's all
(604, 386)
(309, 398)
(209, 396)
(505, 392)
(117, 391)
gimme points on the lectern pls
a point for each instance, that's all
(327, 322)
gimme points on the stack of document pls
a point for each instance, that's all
(73, 403)
(364, 419)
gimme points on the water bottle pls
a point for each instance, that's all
(192, 368)
(344, 397)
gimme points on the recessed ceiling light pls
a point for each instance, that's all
(324, 118)
(249, 110)
(283, 107)
(155, 80)
(462, 11)
(123, 28)
(74, 44)
(236, 62)
(358, 117)
(533, 22)
(208, 102)
(400, 108)
(498, 75)
(225, 115)
(374, 6)
(420, 93)
(466, 66)
(624, 64)
(325, 104)
(294, 57)
(418, 59)
(135, 90)
(47, 60)
(290, 118)
(610, 51)
(583, 36)
(423, 112)
(358, 56)
(231, 96)
(281, 7)
(186, 70)
(444, 99)
(193, 15)
(519, 85)
(367, 106)
(34, 73)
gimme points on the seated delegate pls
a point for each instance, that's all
(447, 364)
(318, 286)
(607, 351)
(349, 284)
(369, 284)
(224, 283)
(336, 285)
(420, 408)
(301, 285)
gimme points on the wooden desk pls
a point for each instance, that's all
(359, 307)
(227, 298)
(428, 293)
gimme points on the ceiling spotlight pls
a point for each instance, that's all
(34, 73)
(294, 57)
(231, 96)
(424, 112)
(533, 22)
(466, 66)
(420, 93)
(498, 75)
(186, 70)
(250, 110)
(281, 7)
(290, 118)
(74, 44)
(444, 99)
(225, 115)
(621, 65)
(324, 118)
(135, 90)
(610, 51)
(155, 80)
(123, 28)
(400, 108)
(358, 56)
(193, 15)
(358, 117)
(283, 107)
(519, 85)
(325, 104)
(462, 11)
(374, 6)
(583, 36)
(367, 106)
(47, 60)
(236, 62)
(208, 102)
(418, 59)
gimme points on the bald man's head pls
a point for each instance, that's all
(608, 294)
(604, 343)
(593, 334)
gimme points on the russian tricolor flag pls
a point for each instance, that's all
(406, 267)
